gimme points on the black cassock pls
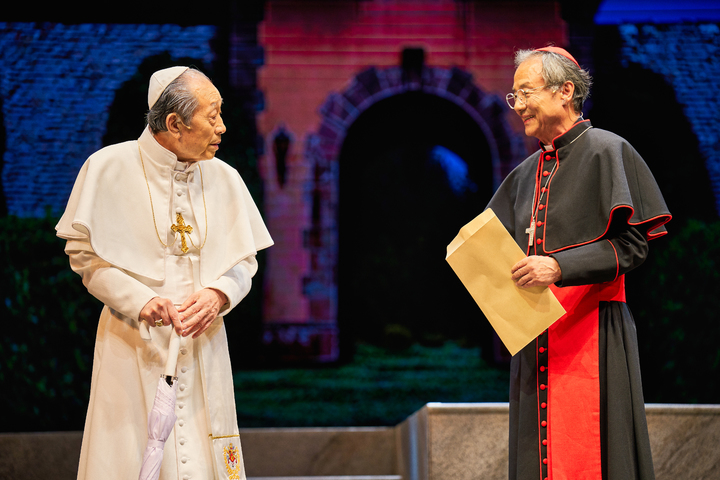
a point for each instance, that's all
(576, 405)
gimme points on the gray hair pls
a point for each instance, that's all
(556, 70)
(176, 98)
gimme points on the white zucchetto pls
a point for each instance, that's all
(160, 80)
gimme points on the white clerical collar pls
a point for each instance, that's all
(161, 155)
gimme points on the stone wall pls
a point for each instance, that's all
(470, 441)
(441, 441)
(688, 56)
(57, 83)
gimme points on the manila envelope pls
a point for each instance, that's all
(482, 255)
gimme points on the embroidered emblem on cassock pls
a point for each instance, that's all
(232, 463)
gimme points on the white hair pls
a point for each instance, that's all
(176, 98)
(556, 70)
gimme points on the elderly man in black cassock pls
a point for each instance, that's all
(583, 208)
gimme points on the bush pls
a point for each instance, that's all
(380, 387)
(49, 324)
(674, 299)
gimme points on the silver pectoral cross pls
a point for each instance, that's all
(531, 233)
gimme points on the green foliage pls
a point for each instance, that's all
(49, 323)
(380, 387)
(674, 300)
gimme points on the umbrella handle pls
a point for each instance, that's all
(173, 350)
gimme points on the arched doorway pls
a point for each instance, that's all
(449, 89)
(413, 169)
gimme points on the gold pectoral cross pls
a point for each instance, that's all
(182, 229)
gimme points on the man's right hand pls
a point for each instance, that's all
(536, 270)
(160, 312)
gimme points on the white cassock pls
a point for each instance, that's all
(114, 243)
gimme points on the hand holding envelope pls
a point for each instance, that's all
(482, 255)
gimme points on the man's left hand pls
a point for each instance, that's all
(199, 311)
(536, 270)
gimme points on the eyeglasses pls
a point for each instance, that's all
(520, 96)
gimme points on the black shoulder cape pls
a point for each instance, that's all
(599, 179)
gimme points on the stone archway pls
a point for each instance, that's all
(322, 150)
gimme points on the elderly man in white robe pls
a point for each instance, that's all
(166, 236)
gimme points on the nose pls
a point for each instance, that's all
(518, 107)
(220, 127)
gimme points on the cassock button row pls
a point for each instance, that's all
(541, 349)
(548, 157)
(181, 423)
(543, 386)
(545, 442)
(543, 423)
(545, 461)
(542, 369)
(183, 351)
(179, 193)
(546, 173)
(539, 224)
(543, 189)
(541, 207)
(539, 241)
(182, 441)
(182, 387)
(184, 459)
(178, 210)
(543, 405)
(181, 405)
(184, 369)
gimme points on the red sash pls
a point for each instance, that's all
(574, 382)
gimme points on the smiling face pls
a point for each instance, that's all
(545, 113)
(201, 139)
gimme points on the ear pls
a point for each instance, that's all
(172, 123)
(568, 89)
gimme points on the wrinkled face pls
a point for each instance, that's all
(543, 112)
(201, 139)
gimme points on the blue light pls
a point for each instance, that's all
(455, 169)
(615, 12)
